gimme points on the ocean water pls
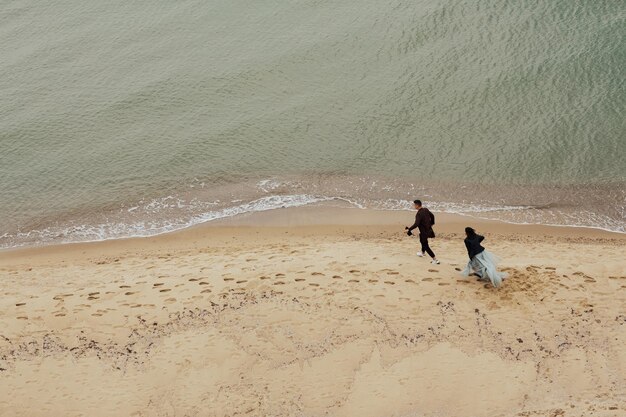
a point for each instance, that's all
(134, 118)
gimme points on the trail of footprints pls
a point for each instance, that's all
(126, 289)
(352, 276)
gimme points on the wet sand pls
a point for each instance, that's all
(316, 312)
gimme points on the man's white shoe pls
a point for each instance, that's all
(435, 262)
(420, 254)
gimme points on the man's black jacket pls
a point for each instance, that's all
(424, 221)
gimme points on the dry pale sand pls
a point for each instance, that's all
(315, 312)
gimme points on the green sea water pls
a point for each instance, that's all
(127, 118)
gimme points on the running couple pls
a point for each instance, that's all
(482, 263)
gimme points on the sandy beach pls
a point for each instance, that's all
(316, 312)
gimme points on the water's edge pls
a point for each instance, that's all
(107, 232)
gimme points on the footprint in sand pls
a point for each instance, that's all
(390, 282)
(165, 290)
(317, 274)
(241, 281)
(337, 277)
(353, 280)
(279, 283)
(372, 280)
(314, 284)
(20, 304)
(229, 279)
(409, 280)
(124, 286)
(194, 279)
(23, 318)
(354, 271)
(300, 279)
(158, 284)
(203, 283)
(427, 279)
(205, 291)
(433, 270)
(280, 275)
(62, 296)
(92, 298)
(264, 277)
(170, 300)
(457, 269)
(393, 273)
(129, 293)
(443, 283)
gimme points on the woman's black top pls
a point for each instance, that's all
(473, 245)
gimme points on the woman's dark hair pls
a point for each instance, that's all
(470, 232)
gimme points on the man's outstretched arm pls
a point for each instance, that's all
(415, 225)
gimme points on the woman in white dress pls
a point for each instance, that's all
(482, 263)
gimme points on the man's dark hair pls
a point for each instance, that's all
(418, 202)
(470, 232)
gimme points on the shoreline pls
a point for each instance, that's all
(185, 209)
(327, 219)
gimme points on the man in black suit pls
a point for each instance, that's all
(424, 221)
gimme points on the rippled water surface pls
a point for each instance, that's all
(132, 118)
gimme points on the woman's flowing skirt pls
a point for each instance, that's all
(485, 264)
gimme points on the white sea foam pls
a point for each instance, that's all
(196, 212)
(269, 185)
(446, 207)
(146, 228)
